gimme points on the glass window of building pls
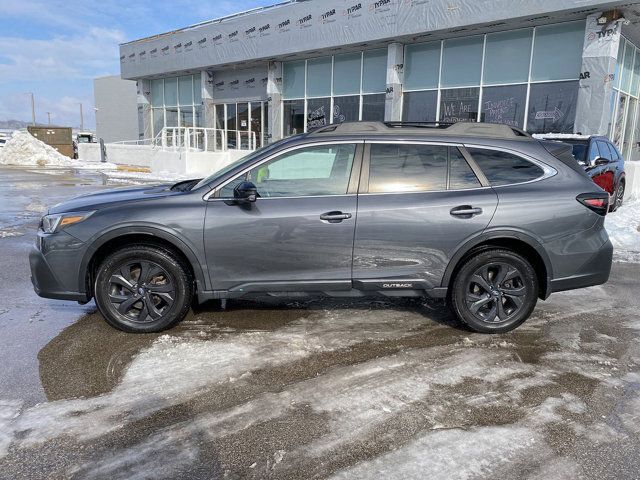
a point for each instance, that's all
(506, 105)
(170, 92)
(627, 67)
(422, 66)
(293, 120)
(557, 51)
(318, 112)
(462, 62)
(459, 105)
(507, 57)
(346, 109)
(319, 77)
(552, 107)
(197, 89)
(293, 82)
(185, 90)
(347, 71)
(157, 93)
(374, 71)
(373, 107)
(420, 106)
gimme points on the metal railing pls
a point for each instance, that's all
(200, 139)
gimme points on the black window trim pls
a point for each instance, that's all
(366, 162)
(548, 171)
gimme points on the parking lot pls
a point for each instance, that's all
(279, 388)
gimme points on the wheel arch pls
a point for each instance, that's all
(518, 242)
(118, 238)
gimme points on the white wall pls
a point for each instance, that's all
(136, 155)
(632, 171)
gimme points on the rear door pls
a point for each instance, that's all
(417, 203)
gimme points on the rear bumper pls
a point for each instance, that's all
(595, 271)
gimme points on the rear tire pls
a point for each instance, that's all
(143, 289)
(494, 291)
(618, 196)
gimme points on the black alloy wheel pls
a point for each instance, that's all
(494, 291)
(619, 197)
(143, 289)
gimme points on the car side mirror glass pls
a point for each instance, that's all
(245, 192)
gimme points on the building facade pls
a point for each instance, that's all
(560, 66)
(117, 118)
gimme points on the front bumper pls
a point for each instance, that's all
(55, 262)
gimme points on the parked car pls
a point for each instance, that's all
(482, 215)
(601, 160)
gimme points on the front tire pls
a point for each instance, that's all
(143, 289)
(494, 291)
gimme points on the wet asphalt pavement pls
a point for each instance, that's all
(277, 388)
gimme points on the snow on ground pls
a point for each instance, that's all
(23, 149)
(623, 227)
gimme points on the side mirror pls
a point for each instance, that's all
(245, 192)
(600, 161)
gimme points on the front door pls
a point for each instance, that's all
(418, 203)
(298, 235)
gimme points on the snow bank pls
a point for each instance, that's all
(624, 230)
(23, 149)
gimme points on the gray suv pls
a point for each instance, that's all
(480, 214)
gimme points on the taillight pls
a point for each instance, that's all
(597, 202)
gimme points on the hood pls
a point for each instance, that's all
(105, 198)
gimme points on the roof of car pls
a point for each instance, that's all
(467, 129)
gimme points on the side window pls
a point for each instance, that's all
(503, 168)
(461, 177)
(605, 152)
(594, 152)
(310, 171)
(615, 153)
(407, 168)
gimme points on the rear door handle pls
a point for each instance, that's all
(466, 211)
(335, 217)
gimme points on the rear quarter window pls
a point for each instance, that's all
(503, 168)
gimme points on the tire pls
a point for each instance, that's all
(153, 303)
(487, 305)
(618, 196)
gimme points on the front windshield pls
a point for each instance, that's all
(231, 166)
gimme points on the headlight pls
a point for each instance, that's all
(55, 222)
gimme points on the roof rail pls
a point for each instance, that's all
(471, 129)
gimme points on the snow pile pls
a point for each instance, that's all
(23, 149)
(623, 227)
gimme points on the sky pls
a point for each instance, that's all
(55, 48)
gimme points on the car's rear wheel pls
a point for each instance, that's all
(143, 289)
(494, 291)
(618, 196)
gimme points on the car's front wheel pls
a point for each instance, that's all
(494, 291)
(143, 289)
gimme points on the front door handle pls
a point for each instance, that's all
(465, 211)
(335, 217)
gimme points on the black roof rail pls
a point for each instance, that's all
(418, 124)
(469, 129)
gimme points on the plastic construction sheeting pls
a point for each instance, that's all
(317, 24)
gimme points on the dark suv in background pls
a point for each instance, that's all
(480, 214)
(601, 160)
